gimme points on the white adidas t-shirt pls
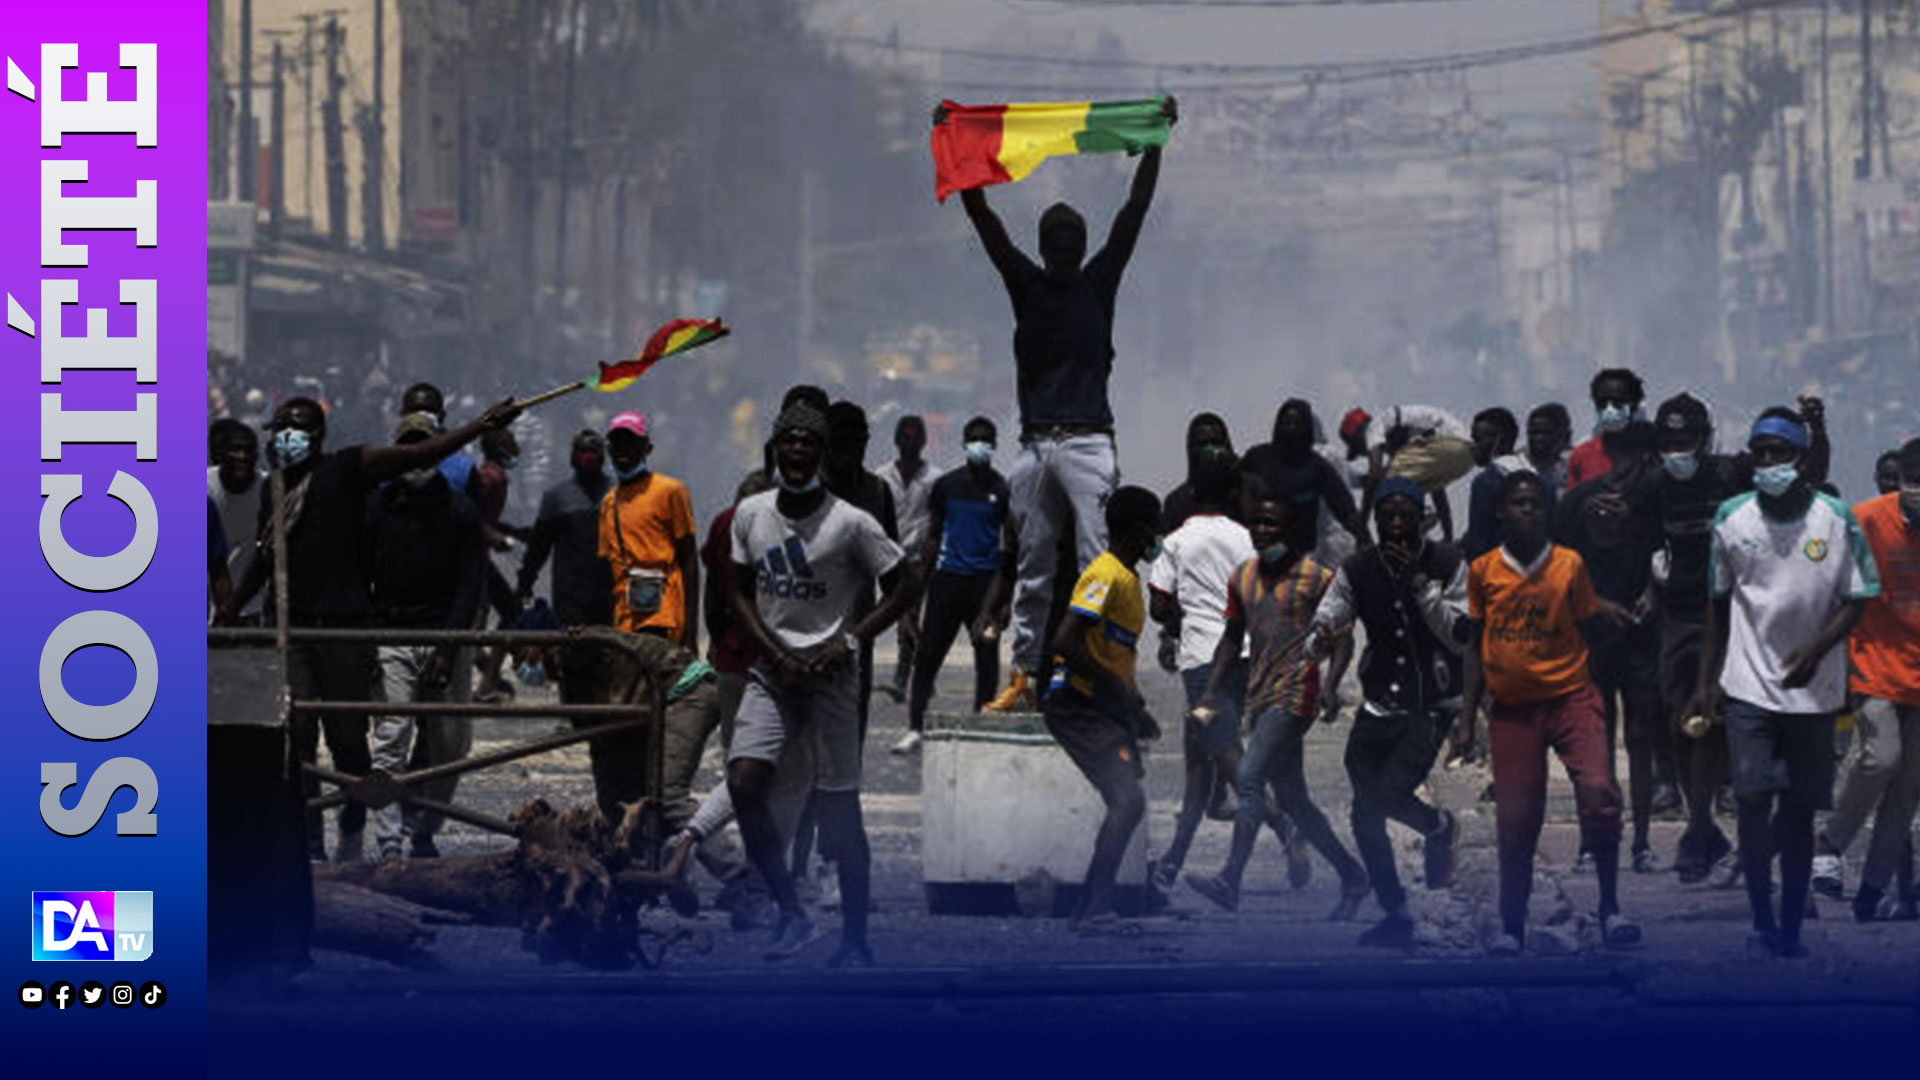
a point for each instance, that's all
(1194, 566)
(811, 570)
(1787, 578)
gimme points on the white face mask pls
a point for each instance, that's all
(979, 453)
(811, 484)
(1681, 467)
(1776, 480)
(1615, 418)
(291, 446)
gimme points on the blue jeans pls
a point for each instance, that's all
(1276, 756)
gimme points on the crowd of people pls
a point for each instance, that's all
(1717, 612)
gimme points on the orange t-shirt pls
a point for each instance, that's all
(1532, 650)
(1885, 646)
(640, 522)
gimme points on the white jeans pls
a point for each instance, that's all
(1051, 480)
(443, 739)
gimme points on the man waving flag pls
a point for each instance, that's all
(978, 145)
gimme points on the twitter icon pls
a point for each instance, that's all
(92, 994)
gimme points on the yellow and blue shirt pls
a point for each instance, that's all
(1109, 594)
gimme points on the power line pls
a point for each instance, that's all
(1346, 73)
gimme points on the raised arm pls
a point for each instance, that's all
(993, 235)
(386, 462)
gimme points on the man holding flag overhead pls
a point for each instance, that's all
(1063, 328)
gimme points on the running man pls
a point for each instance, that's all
(1531, 608)
(1188, 598)
(1093, 708)
(801, 558)
(1790, 568)
(1270, 604)
(1411, 595)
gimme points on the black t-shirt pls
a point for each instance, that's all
(1686, 512)
(1063, 340)
(329, 549)
(1303, 480)
(1622, 570)
(427, 554)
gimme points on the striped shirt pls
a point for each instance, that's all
(1277, 614)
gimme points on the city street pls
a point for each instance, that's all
(1191, 965)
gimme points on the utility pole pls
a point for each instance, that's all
(803, 299)
(219, 142)
(523, 112)
(249, 145)
(1826, 183)
(277, 162)
(335, 140)
(373, 145)
(564, 154)
(1863, 168)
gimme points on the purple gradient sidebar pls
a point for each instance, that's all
(171, 740)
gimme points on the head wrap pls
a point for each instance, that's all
(1351, 423)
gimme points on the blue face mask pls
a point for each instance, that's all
(811, 484)
(1155, 550)
(1274, 554)
(1614, 417)
(533, 675)
(1681, 467)
(979, 453)
(634, 473)
(510, 463)
(291, 446)
(1776, 480)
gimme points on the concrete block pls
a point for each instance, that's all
(1001, 803)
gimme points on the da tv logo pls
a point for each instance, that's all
(92, 925)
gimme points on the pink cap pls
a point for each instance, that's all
(628, 421)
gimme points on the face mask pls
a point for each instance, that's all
(1681, 466)
(291, 446)
(1154, 550)
(1910, 502)
(1210, 452)
(632, 474)
(532, 675)
(811, 484)
(1614, 417)
(588, 463)
(419, 477)
(979, 453)
(510, 463)
(1776, 480)
(1274, 554)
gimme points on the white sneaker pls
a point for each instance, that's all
(908, 743)
(1827, 876)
